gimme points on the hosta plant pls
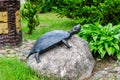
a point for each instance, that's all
(103, 40)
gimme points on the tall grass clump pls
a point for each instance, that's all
(103, 40)
(13, 69)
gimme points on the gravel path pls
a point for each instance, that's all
(107, 69)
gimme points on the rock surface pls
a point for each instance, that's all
(68, 64)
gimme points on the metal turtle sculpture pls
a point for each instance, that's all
(50, 39)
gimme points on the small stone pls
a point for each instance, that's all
(2, 51)
(96, 76)
(110, 75)
(103, 72)
(17, 49)
(98, 59)
(116, 70)
(25, 52)
(10, 51)
(118, 77)
(11, 55)
(108, 68)
(118, 62)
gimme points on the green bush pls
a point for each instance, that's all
(30, 13)
(102, 39)
(46, 5)
(89, 11)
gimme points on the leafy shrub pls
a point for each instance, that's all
(46, 5)
(89, 11)
(102, 39)
(29, 12)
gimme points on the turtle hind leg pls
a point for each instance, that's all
(29, 55)
(37, 57)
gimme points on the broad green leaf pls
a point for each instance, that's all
(108, 28)
(100, 42)
(88, 31)
(118, 55)
(92, 46)
(110, 50)
(95, 37)
(116, 46)
(117, 36)
(109, 38)
(119, 30)
(100, 47)
(94, 0)
(96, 23)
(106, 45)
(102, 52)
(116, 28)
(103, 38)
(85, 37)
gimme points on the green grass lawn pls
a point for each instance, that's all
(13, 69)
(48, 22)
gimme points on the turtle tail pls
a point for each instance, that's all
(29, 55)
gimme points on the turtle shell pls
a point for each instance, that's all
(49, 39)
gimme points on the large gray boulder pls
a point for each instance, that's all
(68, 64)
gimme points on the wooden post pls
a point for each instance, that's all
(10, 31)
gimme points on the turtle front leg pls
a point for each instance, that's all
(66, 43)
(37, 57)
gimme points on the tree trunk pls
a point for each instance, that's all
(10, 31)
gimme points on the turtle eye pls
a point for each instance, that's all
(76, 28)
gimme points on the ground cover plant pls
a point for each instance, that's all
(102, 39)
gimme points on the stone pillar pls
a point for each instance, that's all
(10, 31)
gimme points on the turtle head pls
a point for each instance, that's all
(75, 29)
